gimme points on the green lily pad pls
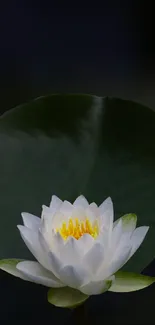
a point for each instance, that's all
(66, 297)
(128, 281)
(77, 144)
(9, 266)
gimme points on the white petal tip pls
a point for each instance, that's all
(146, 229)
(19, 227)
(22, 228)
(108, 200)
(23, 214)
(55, 197)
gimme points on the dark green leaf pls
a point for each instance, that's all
(66, 297)
(77, 144)
(128, 281)
(9, 266)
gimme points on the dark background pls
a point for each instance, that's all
(102, 50)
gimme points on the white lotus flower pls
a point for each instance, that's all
(78, 245)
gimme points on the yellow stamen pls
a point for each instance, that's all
(77, 228)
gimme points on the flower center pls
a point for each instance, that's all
(77, 228)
